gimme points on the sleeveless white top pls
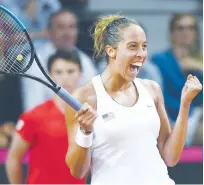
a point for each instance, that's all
(124, 150)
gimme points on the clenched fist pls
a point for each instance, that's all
(191, 88)
(86, 117)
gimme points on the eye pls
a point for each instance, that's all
(144, 46)
(133, 46)
(71, 71)
(58, 72)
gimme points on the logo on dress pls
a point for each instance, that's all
(108, 116)
(149, 106)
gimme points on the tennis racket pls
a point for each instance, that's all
(17, 54)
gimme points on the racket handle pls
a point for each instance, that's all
(68, 98)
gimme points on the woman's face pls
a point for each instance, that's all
(184, 31)
(130, 53)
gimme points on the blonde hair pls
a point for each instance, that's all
(109, 31)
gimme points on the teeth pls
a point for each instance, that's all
(137, 64)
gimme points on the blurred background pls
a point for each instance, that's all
(174, 31)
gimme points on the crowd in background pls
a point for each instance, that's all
(54, 25)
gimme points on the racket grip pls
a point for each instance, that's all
(68, 98)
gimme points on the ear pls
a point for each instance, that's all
(111, 52)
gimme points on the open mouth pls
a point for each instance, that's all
(134, 67)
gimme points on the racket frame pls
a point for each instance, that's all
(67, 97)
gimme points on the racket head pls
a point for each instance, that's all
(16, 56)
(16, 48)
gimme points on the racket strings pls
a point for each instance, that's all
(15, 50)
(9, 55)
(10, 52)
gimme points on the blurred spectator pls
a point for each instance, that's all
(34, 14)
(175, 64)
(43, 131)
(63, 32)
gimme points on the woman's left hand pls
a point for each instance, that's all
(190, 90)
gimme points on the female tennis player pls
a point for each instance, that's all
(122, 132)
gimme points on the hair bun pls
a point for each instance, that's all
(100, 27)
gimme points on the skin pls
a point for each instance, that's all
(118, 83)
(67, 75)
(6, 131)
(64, 31)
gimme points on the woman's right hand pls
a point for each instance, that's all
(86, 117)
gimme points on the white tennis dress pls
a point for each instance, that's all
(124, 150)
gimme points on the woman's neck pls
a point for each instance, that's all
(114, 82)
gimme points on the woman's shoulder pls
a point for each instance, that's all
(86, 94)
(149, 83)
(152, 87)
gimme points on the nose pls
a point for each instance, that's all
(64, 76)
(140, 53)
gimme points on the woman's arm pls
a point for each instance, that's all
(78, 158)
(171, 143)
